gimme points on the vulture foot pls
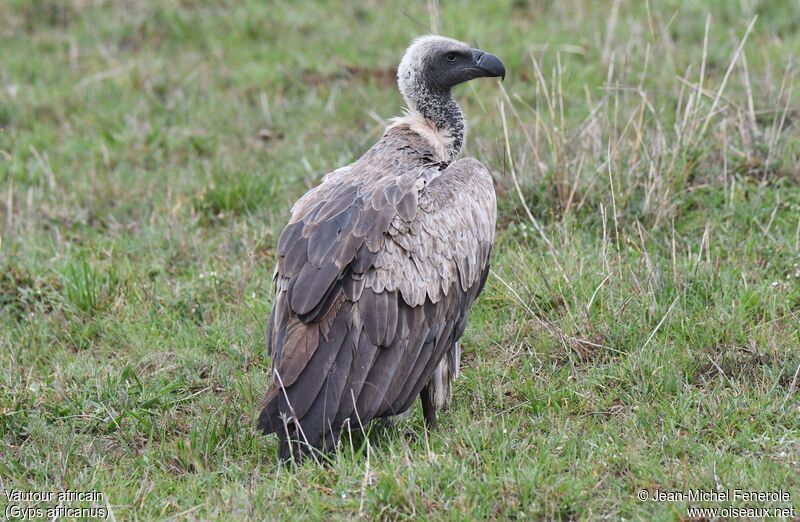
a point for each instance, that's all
(428, 406)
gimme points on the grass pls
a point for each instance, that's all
(640, 329)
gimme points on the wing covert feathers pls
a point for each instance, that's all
(376, 273)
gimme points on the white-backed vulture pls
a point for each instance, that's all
(380, 264)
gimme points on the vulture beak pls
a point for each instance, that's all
(489, 64)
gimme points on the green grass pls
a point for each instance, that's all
(640, 329)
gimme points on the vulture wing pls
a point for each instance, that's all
(376, 273)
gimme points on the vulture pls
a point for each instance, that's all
(380, 264)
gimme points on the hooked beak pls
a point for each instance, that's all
(489, 64)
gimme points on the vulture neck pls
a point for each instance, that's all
(442, 111)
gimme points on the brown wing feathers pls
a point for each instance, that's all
(373, 284)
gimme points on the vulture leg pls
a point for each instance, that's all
(428, 406)
(291, 448)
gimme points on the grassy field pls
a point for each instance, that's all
(640, 329)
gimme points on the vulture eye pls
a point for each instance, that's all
(451, 57)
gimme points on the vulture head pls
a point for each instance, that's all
(434, 64)
(430, 68)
